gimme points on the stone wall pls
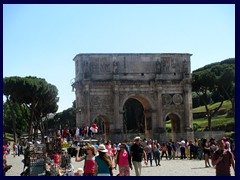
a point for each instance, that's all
(161, 82)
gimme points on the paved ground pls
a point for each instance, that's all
(168, 168)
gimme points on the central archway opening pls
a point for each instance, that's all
(133, 116)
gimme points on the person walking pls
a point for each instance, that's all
(124, 161)
(8, 148)
(14, 149)
(156, 153)
(223, 160)
(89, 164)
(18, 149)
(169, 150)
(164, 150)
(148, 150)
(137, 153)
(103, 162)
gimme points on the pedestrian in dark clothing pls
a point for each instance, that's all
(192, 150)
(169, 149)
(223, 160)
(137, 153)
(19, 149)
(182, 149)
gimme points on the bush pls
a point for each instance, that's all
(230, 134)
(195, 126)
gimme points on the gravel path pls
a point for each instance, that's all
(175, 167)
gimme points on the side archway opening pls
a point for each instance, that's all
(174, 121)
(102, 123)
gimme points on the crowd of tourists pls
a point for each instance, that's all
(101, 159)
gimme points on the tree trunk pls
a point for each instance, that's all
(41, 128)
(13, 121)
(211, 113)
(210, 123)
(30, 126)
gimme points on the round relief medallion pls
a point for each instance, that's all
(177, 99)
(166, 99)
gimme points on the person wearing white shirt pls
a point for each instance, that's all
(182, 149)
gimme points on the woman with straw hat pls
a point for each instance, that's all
(103, 162)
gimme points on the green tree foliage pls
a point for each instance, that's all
(65, 119)
(34, 95)
(214, 83)
(14, 120)
(226, 84)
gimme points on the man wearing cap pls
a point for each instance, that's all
(137, 153)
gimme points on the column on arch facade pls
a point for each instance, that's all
(80, 108)
(116, 120)
(86, 113)
(159, 123)
(188, 105)
(188, 111)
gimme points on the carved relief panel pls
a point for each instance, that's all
(168, 99)
(166, 63)
(100, 65)
(104, 65)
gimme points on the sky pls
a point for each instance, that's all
(42, 39)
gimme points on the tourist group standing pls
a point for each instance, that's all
(101, 160)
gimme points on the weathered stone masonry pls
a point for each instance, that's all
(161, 82)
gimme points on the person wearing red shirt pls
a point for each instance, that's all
(89, 164)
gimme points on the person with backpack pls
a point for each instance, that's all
(223, 160)
(89, 164)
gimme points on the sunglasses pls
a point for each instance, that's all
(88, 149)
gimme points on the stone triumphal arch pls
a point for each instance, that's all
(129, 94)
